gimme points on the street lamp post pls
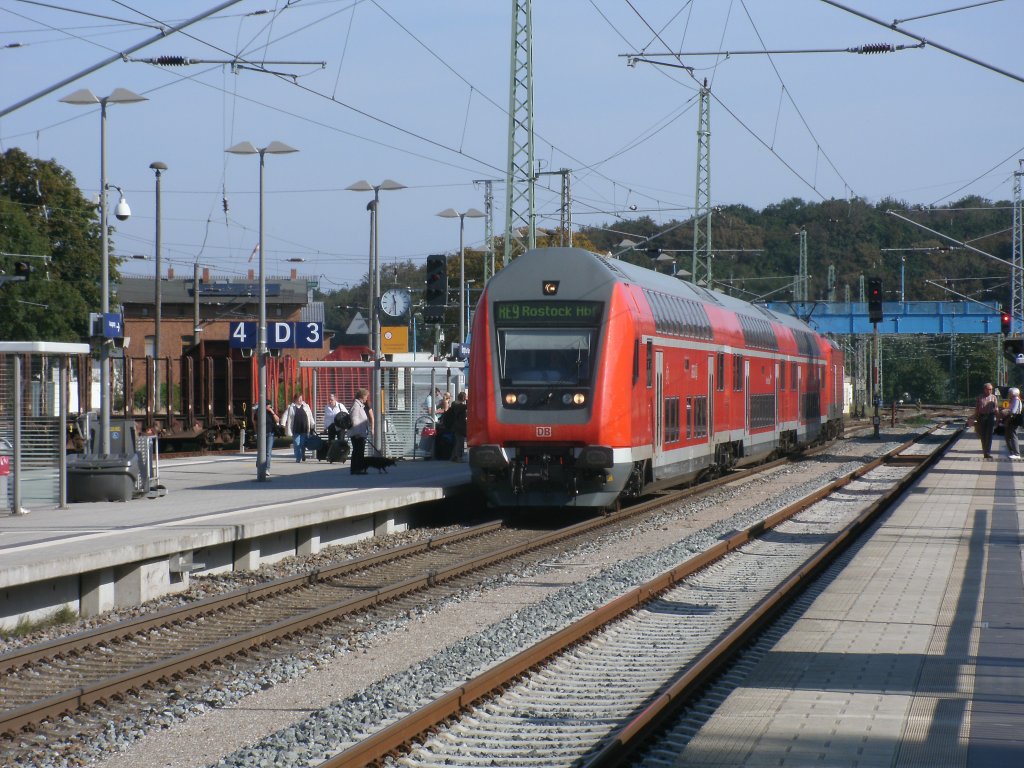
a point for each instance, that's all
(273, 148)
(451, 213)
(374, 279)
(87, 97)
(158, 169)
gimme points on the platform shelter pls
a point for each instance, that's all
(34, 391)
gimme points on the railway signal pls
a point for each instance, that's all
(436, 295)
(875, 300)
(1004, 323)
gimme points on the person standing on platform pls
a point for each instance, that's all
(985, 409)
(456, 418)
(298, 420)
(1014, 415)
(269, 430)
(362, 427)
(332, 409)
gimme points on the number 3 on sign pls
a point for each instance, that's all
(313, 333)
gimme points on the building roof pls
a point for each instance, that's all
(139, 290)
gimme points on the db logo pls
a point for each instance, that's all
(543, 431)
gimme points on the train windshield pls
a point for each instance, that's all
(559, 356)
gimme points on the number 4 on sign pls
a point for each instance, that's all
(243, 335)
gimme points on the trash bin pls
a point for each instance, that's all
(93, 477)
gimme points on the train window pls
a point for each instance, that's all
(671, 419)
(700, 417)
(660, 313)
(720, 372)
(792, 376)
(737, 372)
(678, 318)
(636, 360)
(689, 418)
(782, 375)
(545, 356)
(650, 364)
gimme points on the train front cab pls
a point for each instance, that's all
(546, 382)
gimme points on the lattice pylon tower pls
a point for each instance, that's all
(565, 213)
(802, 277)
(488, 226)
(1017, 283)
(520, 200)
(701, 269)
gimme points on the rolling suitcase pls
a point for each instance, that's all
(338, 450)
(322, 449)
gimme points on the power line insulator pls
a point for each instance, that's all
(171, 61)
(875, 48)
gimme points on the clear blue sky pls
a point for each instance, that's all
(417, 92)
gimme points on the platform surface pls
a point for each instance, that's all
(210, 500)
(913, 655)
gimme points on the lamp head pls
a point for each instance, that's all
(158, 166)
(243, 148)
(122, 211)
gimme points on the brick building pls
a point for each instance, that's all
(218, 302)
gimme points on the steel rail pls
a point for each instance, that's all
(25, 717)
(393, 738)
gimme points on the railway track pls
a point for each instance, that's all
(78, 683)
(589, 694)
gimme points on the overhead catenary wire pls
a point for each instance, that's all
(927, 41)
(109, 60)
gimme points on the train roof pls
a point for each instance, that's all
(584, 264)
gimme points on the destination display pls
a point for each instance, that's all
(545, 312)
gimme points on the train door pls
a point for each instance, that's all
(801, 410)
(778, 394)
(659, 399)
(746, 396)
(711, 398)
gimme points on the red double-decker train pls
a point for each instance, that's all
(592, 379)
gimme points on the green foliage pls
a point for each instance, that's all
(62, 616)
(757, 252)
(43, 213)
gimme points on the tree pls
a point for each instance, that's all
(43, 214)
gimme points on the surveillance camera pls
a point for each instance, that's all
(122, 211)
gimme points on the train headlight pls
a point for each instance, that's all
(566, 399)
(522, 399)
(510, 399)
(579, 398)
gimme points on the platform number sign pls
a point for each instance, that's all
(300, 335)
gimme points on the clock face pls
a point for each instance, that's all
(395, 302)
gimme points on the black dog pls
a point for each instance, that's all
(380, 463)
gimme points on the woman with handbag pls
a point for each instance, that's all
(985, 409)
(362, 427)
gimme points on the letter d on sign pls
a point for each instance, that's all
(282, 334)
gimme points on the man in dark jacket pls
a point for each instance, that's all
(455, 421)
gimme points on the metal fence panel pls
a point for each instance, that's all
(41, 429)
(405, 389)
